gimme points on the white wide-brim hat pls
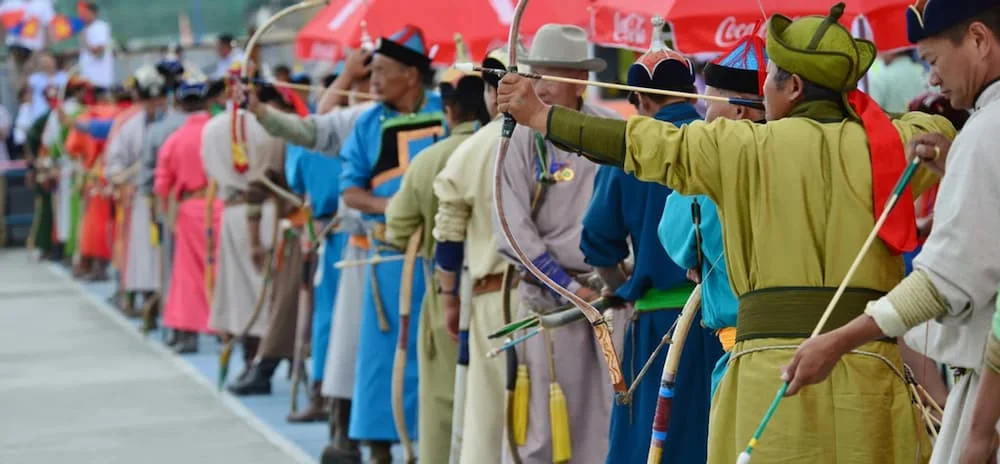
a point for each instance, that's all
(562, 46)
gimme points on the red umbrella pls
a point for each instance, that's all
(701, 26)
(483, 24)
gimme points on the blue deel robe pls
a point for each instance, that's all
(624, 207)
(375, 156)
(318, 176)
(718, 304)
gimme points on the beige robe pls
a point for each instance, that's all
(237, 282)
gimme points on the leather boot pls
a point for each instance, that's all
(98, 271)
(187, 342)
(341, 449)
(258, 379)
(250, 346)
(128, 305)
(381, 452)
(81, 268)
(316, 411)
(150, 312)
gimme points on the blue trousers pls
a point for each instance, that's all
(631, 425)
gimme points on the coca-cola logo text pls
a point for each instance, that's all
(730, 32)
(630, 29)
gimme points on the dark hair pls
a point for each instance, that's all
(466, 99)
(989, 18)
(811, 91)
(283, 68)
(92, 7)
(328, 80)
(226, 39)
(657, 99)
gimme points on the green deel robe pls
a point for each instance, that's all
(412, 206)
(795, 201)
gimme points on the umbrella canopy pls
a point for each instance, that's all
(484, 24)
(702, 26)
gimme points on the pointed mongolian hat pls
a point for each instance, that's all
(742, 69)
(406, 46)
(661, 67)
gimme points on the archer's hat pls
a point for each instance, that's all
(661, 67)
(563, 46)
(741, 69)
(149, 83)
(928, 18)
(452, 74)
(406, 46)
(820, 50)
(193, 85)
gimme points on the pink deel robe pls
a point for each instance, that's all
(178, 173)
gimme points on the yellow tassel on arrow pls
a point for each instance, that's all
(562, 450)
(522, 395)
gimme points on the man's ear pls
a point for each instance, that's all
(798, 86)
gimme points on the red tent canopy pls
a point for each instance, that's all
(484, 24)
(701, 26)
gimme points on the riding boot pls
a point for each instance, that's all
(98, 271)
(258, 380)
(128, 305)
(317, 409)
(81, 268)
(187, 342)
(150, 311)
(250, 346)
(341, 449)
(381, 452)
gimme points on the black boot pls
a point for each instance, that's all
(187, 342)
(381, 452)
(150, 312)
(341, 449)
(316, 411)
(257, 381)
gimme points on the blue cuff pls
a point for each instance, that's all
(548, 265)
(449, 256)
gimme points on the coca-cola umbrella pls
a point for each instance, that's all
(484, 24)
(700, 26)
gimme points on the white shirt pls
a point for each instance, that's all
(222, 68)
(99, 70)
(962, 256)
(22, 123)
(38, 82)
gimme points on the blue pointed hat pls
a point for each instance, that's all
(406, 46)
(741, 69)
(928, 18)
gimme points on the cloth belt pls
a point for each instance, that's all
(299, 217)
(792, 312)
(656, 300)
(199, 193)
(359, 241)
(489, 284)
(727, 337)
(236, 199)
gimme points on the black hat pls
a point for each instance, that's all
(937, 16)
(406, 46)
(742, 69)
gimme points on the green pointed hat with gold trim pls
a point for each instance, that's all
(820, 50)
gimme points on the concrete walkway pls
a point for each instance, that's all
(79, 384)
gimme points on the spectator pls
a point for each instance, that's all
(5, 127)
(97, 63)
(900, 79)
(48, 75)
(282, 73)
(228, 54)
(23, 121)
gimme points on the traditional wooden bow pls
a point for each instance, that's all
(597, 321)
